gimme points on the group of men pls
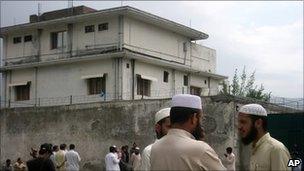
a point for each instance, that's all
(51, 158)
(179, 146)
(120, 160)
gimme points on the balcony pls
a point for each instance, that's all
(64, 54)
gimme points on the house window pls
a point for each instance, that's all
(17, 40)
(22, 92)
(143, 86)
(89, 29)
(28, 38)
(185, 80)
(103, 26)
(195, 90)
(58, 39)
(128, 65)
(166, 76)
(205, 81)
(96, 85)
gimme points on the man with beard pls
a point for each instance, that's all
(180, 148)
(162, 125)
(267, 152)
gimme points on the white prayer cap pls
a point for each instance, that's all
(163, 113)
(136, 148)
(187, 100)
(253, 109)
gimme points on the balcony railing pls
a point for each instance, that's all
(89, 50)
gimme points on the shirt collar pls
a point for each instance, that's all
(260, 141)
(180, 132)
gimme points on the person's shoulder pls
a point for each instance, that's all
(147, 149)
(276, 144)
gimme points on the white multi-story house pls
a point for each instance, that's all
(79, 55)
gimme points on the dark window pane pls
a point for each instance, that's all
(17, 40)
(89, 29)
(195, 90)
(185, 80)
(143, 86)
(166, 76)
(22, 92)
(96, 86)
(103, 26)
(28, 38)
(54, 40)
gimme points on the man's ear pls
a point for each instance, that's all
(194, 118)
(258, 123)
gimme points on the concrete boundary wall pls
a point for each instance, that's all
(93, 127)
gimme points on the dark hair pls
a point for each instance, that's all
(112, 149)
(72, 146)
(264, 119)
(182, 114)
(62, 147)
(229, 150)
(45, 148)
(55, 147)
(8, 161)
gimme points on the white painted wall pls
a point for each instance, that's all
(21, 49)
(82, 39)
(65, 80)
(159, 88)
(203, 58)
(155, 41)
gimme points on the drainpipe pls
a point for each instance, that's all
(133, 77)
(39, 44)
(70, 40)
(120, 32)
(209, 86)
(36, 75)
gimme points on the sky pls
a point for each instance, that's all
(265, 37)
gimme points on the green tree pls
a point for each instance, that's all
(245, 87)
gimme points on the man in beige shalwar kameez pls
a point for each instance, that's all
(180, 148)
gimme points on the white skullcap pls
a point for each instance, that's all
(253, 109)
(187, 100)
(136, 148)
(163, 113)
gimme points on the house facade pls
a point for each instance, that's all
(80, 55)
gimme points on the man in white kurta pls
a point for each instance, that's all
(230, 159)
(162, 125)
(267, 152)
(72, 159)
(112, 160)
(180, 148)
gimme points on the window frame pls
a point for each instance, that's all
(96, 85)
(103, 26)
(186, 80)
(143, 86)
(55, 38)
(27, 38)
(166, 77)
(88, 27)
(22, 92)
(195, 90)
(17, 39)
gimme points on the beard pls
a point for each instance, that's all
(251, 136)
(159, 134)
(197, 133)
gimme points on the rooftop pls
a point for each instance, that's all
(83, 13)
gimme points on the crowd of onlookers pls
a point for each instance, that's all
(47, 158)
(122, 159)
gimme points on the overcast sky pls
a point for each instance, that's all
(263, 36)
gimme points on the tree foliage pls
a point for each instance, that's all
(244, 86)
